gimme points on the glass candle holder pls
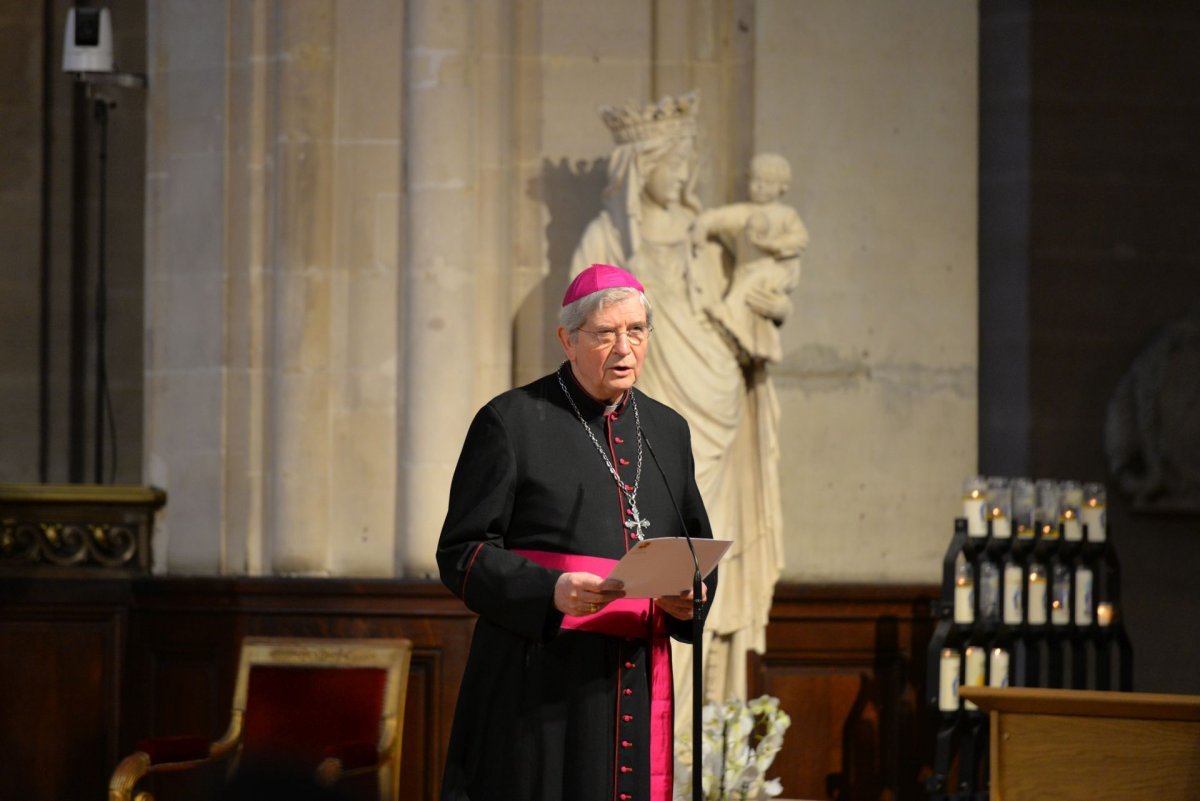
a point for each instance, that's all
(975, 495)
(948, 670)
(1060, 595)
(999, 502)
(1046, 503)
(964, 591)
(998, 668)
(1036, 613)
(1083, 595)
(1014, 607)
(974, 669)
(989, 592)
(1023, 496)
(1092, 512)
(1070, 502)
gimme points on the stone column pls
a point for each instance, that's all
(249, 249)
(185, 283)
(366, 287)
(300, 432)
(440, 200)
(272, 296)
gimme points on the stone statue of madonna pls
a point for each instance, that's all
(646, 225)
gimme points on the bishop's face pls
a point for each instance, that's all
(605, 369)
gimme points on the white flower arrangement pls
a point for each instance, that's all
(741, 739)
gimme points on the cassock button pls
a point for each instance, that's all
(628, 691)
(626, 797)
(626, 769)
(618, 440)
(626, 744)
(622, 461)
(630, 665)
(626, 718)
(629, 487)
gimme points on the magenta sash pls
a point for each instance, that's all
(632, 618)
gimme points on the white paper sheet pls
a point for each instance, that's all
(663, 565)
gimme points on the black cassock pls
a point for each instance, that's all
(547, 713)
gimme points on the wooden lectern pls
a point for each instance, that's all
(1083, 744)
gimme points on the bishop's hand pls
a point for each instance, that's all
(680, 606)
(583, 593)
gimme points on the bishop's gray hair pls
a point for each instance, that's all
(575, 314)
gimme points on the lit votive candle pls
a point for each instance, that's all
(974, 670)
(1046, 504)
(1037, 595)
(998, 668)
(1104, 613)
(1001, 524)
(1092, 512)
(1060, 596)
(964, 600)
(1000, 507)
(975, 505)
(1022, 506)
(1071, 501)
(948, 680)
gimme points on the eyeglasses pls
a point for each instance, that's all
(607, 337)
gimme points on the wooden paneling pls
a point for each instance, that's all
(846, 663)
(184, 636)
(60, 678)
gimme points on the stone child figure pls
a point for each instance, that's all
(766, 239)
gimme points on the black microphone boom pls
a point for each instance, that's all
(697, 641)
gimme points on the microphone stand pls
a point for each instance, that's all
(101, 106)
(697, 643)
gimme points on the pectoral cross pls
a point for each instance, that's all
(637, 523)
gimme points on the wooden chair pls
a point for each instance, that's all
(327, 708)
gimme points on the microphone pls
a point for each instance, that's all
(697, 640)
(679, 514)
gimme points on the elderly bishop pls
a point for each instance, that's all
(567, 694)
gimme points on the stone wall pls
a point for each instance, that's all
(21, 193)
(875, 105)
(358, 222)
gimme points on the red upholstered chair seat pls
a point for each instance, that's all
(330, 711)
(296, 715)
